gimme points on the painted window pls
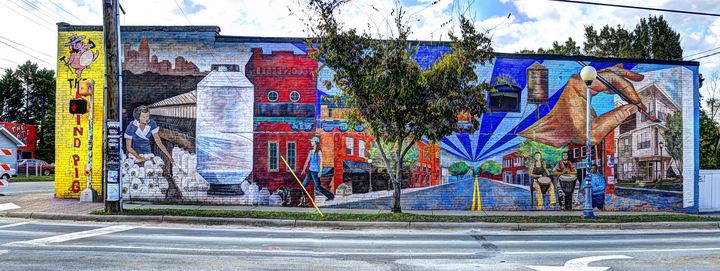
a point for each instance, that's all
(643, 141)
(505, 99)
(349, 146)
(361, 148)
(294, 96)
(272, 96)
(273, 156)
(291, 154)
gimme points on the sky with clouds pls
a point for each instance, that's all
(29, 25)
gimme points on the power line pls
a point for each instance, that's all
(47, 7)
(27, 47)
(31, 12)
(61, 8)
(26, 17)
(39, 9)
(636, 7)
(26, 53)
(705, 56)
(713, 49)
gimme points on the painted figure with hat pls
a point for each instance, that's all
(314, 161)
(80, 54)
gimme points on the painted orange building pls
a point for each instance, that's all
(427, 170)
(343, 149)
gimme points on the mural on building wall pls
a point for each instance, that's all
(215, 124)
(80, 58)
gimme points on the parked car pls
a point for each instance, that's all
(35, 165)
(5, 174)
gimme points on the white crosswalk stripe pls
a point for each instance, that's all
(73, 236)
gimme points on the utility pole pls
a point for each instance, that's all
(112, 59)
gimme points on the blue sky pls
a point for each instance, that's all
(532, 23)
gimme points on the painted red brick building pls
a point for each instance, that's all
(285, 98)
(427, 171)
(605, 152)
(514, 169)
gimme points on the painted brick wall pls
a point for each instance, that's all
(164, 66)
(71, 131)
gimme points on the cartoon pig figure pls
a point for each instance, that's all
(80, 55)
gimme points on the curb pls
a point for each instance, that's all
(361, 225)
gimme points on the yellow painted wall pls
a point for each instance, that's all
(71, 148)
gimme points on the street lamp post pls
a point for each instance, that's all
(662, 165)
(370, 184)
(588, 74)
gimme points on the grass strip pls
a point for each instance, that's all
(23, 178)
(409, 217)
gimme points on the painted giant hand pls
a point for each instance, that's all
(565, 124)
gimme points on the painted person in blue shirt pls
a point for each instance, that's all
(314, 160)
(597, 183)
(139, 132)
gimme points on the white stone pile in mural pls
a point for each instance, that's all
(184, 172)
(144, 179)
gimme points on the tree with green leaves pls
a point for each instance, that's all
(709, 138)
(569, 48)
(386, 89)
(29, 97)
(652, 38)
(12, 92)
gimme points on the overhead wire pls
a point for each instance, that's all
(638, 7)
(26, 17)
(697, 58)
(27, 47)
(713, 49)
(64, 10)
(27, 9)
(38, 8)
(54, 11)
(26, 53)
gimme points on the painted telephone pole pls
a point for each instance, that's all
(111, 155)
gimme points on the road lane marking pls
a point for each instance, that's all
(73, 236)
(610, 251)
(8, 206)
(273, 251)
(580, 264)
(15, 224)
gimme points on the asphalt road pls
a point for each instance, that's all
(17, 188)
(37, 245)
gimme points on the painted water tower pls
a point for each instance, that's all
(224, 125)
(537, 84)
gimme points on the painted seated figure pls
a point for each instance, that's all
(567, 178)
(542, 183)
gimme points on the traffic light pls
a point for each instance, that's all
(78, 106)
(86, 87)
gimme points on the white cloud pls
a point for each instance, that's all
(534, 24)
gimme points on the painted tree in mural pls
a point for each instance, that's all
(458, 169)
(490, 167)
(674, 139)
(550, 154)
(388, 91)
